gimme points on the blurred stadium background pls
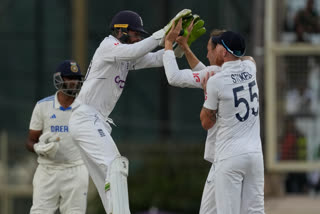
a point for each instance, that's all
(158, 126)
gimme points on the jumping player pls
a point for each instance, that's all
(118, 53)
(61, 179)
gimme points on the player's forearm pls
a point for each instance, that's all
(168, 45)
(208, 118)
(150, 60)
(192, 59)
(176, 77)
(125, 52)
(29, 145)
(170, 66)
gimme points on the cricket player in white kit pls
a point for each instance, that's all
(194, 79)
(118, 53)
(61, 179)
(233, 100)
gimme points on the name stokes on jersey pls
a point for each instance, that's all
(236, 78)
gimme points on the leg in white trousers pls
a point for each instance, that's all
(239, 184)
(208, 201)
(60, 188)
(92, 134)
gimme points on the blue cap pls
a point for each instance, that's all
(69, 68)
(233, 42)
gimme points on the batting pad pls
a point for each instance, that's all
(117, 187)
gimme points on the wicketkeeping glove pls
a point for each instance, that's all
(160, 34)
(47, 146)
(197, 31)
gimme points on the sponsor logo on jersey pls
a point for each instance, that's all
(53, 116)
(119, 81)
(117, 43)
(196, 77)
(59, 129)
(236, 78)
(102, 134)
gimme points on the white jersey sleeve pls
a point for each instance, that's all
(200, 66)
(36, 122)
(112, 50)
(148, 61)
(185, 77)
(211, 99)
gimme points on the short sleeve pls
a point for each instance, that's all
(250, 64)
(36, 122)
(211, 100)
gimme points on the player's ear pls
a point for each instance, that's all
(225, 52)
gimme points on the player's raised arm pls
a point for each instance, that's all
(176, 77)
(127, 43)
(184, 47)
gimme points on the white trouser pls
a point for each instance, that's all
(60, 188)
(92, 135)
(239, 183)
(208, 201)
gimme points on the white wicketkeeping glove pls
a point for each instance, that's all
(160, 34)
(47, 146)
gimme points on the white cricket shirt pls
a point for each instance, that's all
(234, 93)
(49, 116)
(191, 79)
(107, 73)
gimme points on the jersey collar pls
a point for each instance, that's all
(114, 38)
(57, 105)
(231, 64)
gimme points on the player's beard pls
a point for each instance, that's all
(218, 60)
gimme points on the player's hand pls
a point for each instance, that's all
(160, 34)
(174, 32)
(183, 40)
(196, 31)
(47, 146)
(185, 14)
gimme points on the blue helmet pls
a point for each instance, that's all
(129, 20)
(71, 70)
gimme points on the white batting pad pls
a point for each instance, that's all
(116, 186)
